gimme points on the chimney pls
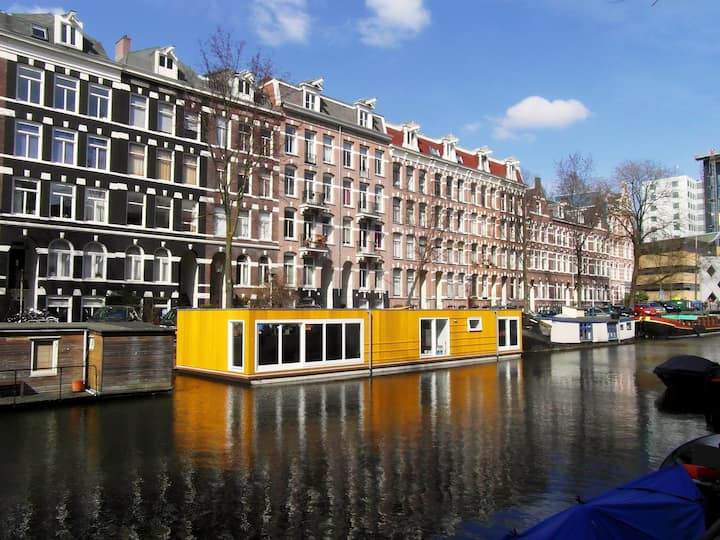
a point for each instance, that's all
(122, 48)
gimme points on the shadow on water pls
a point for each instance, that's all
(480, 449)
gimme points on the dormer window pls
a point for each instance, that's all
(68, 30)
(459, 158)
(67, 35)
(242, 84)
(39, 32)
(166, 62)
(364, 119)
(434, 151)
(311, 101)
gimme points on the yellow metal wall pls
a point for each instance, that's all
(202, 335)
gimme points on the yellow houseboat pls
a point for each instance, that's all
(262, 345)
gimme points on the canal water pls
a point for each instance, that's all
(473, 451)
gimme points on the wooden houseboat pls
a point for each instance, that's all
(42, 362)
(262, 345)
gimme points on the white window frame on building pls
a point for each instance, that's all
(97, 153)
(166, 117)
(434, 336)
(135, 211)
(64, 146)
(138, 115)
(94, 261)
(164, 164)
(189, 216)
(44, 356)
(99, 101)
(29, 85)
(96, 202)
(60, 260)
(65, 93)
(26, 196)
(62, 201)
(162, 266)
(28, 140)
(134, 263)
(137, 155)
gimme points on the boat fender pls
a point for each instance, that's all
(698, 472)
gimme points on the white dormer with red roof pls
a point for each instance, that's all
(511, 168)
(449, 143)
(68, 30)
(311, 94)
(166, 62)
(410, 139)
(244, 85)
(364, 109)
(483, 155)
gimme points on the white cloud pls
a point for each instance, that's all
(472, 127)
(536, 112)
(22, 8)
(392, 21)
(281, 21)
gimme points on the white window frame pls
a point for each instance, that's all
(60, 261)
(65, 93)
(159, 199)
(158, 160)
(243, 226)
(65, 194)
(45, 340)
(98, 153)
(29, 86)
(94, 262)
(134, 263)
(347, 154)
(28, 132)
(138, 111)
(96, 204)
(166, 117)
(191, 209)
(265, 226)
(162, 266)
(60, 145)
(440, 338)
(29, 204)
(190, 165)
(138, 201)
(99, 97)
(135, 157)
(291, 140)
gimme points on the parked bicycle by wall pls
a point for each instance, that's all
(32, 315)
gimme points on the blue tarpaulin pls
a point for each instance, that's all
(663, 504)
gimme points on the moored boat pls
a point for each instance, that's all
(666, 503)
(686, 375)
(674, 326)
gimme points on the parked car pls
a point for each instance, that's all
(658, 307)
(620, 311)
(671, 307)
(645, 309)
(115, 313)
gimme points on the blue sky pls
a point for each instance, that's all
(534, 79)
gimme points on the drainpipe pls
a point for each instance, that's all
(370, 334)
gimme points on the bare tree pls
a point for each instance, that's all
(426, 253)
(637, 194)
(576, 205)
(239, 127)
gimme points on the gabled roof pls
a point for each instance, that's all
(144, 60)
(332, 109)
(22, 25)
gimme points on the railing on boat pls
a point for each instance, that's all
(18, 386)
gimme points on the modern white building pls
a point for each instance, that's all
(677, 208)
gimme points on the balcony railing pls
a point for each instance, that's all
(314, 242)
(63, 382)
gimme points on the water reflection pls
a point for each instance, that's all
(477, 449)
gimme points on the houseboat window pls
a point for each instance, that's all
(474, 324)
(237, 343)
(612, 331)
(44, 356)
(434, 337)
(334, 341)
(585, 331)
(301, 343)
(507, 333)
(352, 341)
(268, 344)
(313, 342)
(290, 343)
